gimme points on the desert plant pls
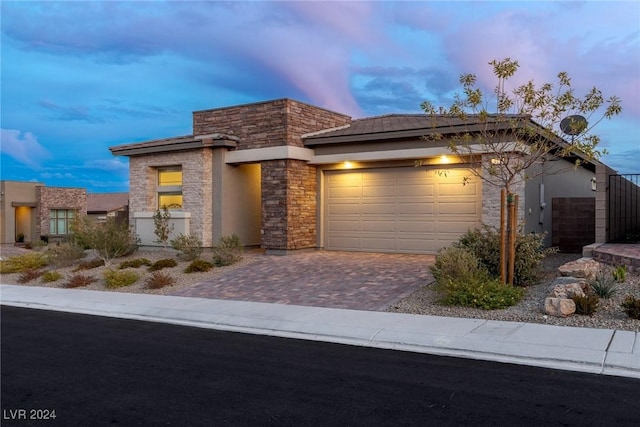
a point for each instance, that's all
(198, 265)
(119, 278)
(189, 246)
(479, 292)
(158, 280)
(619, 273)
(586, 304)
(51, 276)
(603, 285)
(109, 240)
(134, 263)
(631, 306)
(228, 251)
(78, 280)
(89, 265)
(23, 262)
(162, 225)
(163, 263)
(455, 263)
(65, 254)
(530, 252)
(29, 275)
(20, 237)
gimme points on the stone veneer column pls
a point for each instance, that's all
(491, 197)
(274, 204)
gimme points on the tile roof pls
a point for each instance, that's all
(106, 202)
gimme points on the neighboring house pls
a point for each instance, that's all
(35, 211)
(286, 175)
(101, 206)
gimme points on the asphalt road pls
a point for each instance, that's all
(95, 371)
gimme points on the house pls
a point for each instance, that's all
(31, 211)
(286, 175)
(101, 206)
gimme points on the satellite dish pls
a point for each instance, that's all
(573, 125)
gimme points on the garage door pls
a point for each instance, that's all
(413, 210)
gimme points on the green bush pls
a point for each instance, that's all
(603, 285)
(479, 292)
(78, 280)
(631, 306)
(620, 273)
(23, 262)
(109, 240)
(51, 276)
(586, 304)
(163, 263)
(198, 265)
(189, 246)
(119, 278)
(158, 280)
(134, 263)
(455, 263)
(65, 254)
(228, 251)
(530, 252)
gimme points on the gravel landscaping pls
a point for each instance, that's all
(424, 301)
(531, 309)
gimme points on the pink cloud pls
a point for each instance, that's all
(23, 147)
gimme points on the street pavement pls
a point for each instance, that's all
(599, 351)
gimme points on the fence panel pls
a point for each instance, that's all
(624, 208)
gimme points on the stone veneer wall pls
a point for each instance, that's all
(491, 197)
(197, 187)
(267, 124)
(48, 198)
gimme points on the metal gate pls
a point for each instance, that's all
(624, 208)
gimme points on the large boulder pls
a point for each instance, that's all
(576, 287)
(559, 307)
(586, 268)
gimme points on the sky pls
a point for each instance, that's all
(80, 77)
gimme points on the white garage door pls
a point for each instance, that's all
(413, 210)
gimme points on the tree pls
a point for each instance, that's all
(522, 132)
(163, 226)
(109, 240)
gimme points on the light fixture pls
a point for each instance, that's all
(444, 160)
(348, 165)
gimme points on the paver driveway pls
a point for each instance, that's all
(355, 280)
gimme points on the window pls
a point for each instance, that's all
(59, 220)
(170, 187)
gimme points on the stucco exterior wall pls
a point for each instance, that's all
(21, 193)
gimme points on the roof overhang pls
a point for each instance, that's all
(182, 143)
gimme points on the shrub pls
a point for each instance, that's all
(65, 254)
(163, 263)
(134, 263)
(109, 240)
(119, 278)
(89, 265)
(198, 265)
(603, 285)
(29, 275)
(78, 280)
(189, 246)
(620, 273)
(631, 306)
(228, 251)
(51, 276)
(455, 263)
(23, 262)
(586, 304)
(530, 252)
(162, 225)
(158, 280)
(479, 292)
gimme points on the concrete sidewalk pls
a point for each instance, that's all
(600, 351)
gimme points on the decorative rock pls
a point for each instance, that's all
(583, 268)
(559, 307)
(568, 290)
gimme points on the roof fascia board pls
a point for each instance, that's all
(269, 153)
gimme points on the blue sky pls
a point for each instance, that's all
(79, 77)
